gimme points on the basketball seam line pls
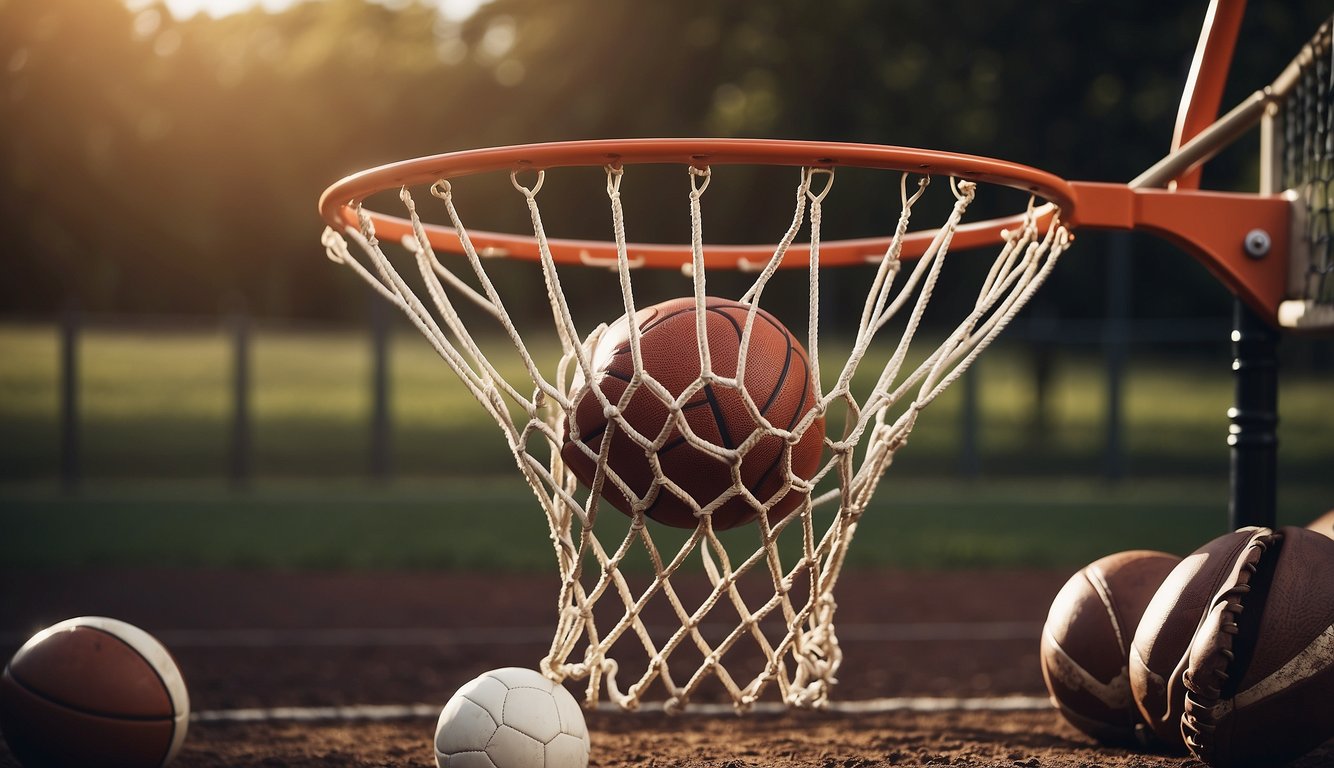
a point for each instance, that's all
(659, 321)
(711, 399)
(787, 358)
(90, 712)
(596, 433)
(171, 700)
(718, 310)
(796, 412)
(1108, 599)
(723, 433)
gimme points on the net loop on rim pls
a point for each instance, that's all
(632, 618)
(525, 190)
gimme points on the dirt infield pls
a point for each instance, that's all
(248, 639)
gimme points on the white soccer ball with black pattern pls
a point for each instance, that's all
(511, 718)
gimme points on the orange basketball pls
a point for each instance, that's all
(777, 380)
(93, 692)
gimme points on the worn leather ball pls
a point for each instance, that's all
(1086, 642)
(93, 692)
(1260, 679)
(1160, 651)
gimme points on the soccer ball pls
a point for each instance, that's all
(511, 718)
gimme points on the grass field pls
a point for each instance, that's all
(156, 419)
(158, 404)
(497, 524)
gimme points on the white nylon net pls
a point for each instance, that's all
(761, 613)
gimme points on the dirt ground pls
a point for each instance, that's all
(247, 639)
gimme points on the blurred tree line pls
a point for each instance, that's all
(155, 164)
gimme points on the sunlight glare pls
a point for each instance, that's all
(184, 9)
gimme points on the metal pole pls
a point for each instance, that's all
(70, 467)
(1253, 434)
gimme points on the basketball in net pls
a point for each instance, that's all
(732, 445)
(701, 413)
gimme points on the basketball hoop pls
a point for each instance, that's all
(776, 598)
(338, 204)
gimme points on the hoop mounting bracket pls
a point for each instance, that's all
(1210, 226)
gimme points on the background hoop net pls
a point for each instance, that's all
(1306, 167)
(765, 617)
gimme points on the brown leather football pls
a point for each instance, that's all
(1260, 682)
(1160, 651)
(1086, 642)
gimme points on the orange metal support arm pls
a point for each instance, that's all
(1208, 76)
(1210, 226)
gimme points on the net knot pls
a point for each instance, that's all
(907, 200)
(577, 612)
(697, 187)
(614, 176)
(963, 189)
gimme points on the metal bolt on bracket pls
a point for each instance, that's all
(1258, 243)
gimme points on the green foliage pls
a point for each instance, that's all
(155, 164)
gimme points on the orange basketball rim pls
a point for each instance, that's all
(1212, 226)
